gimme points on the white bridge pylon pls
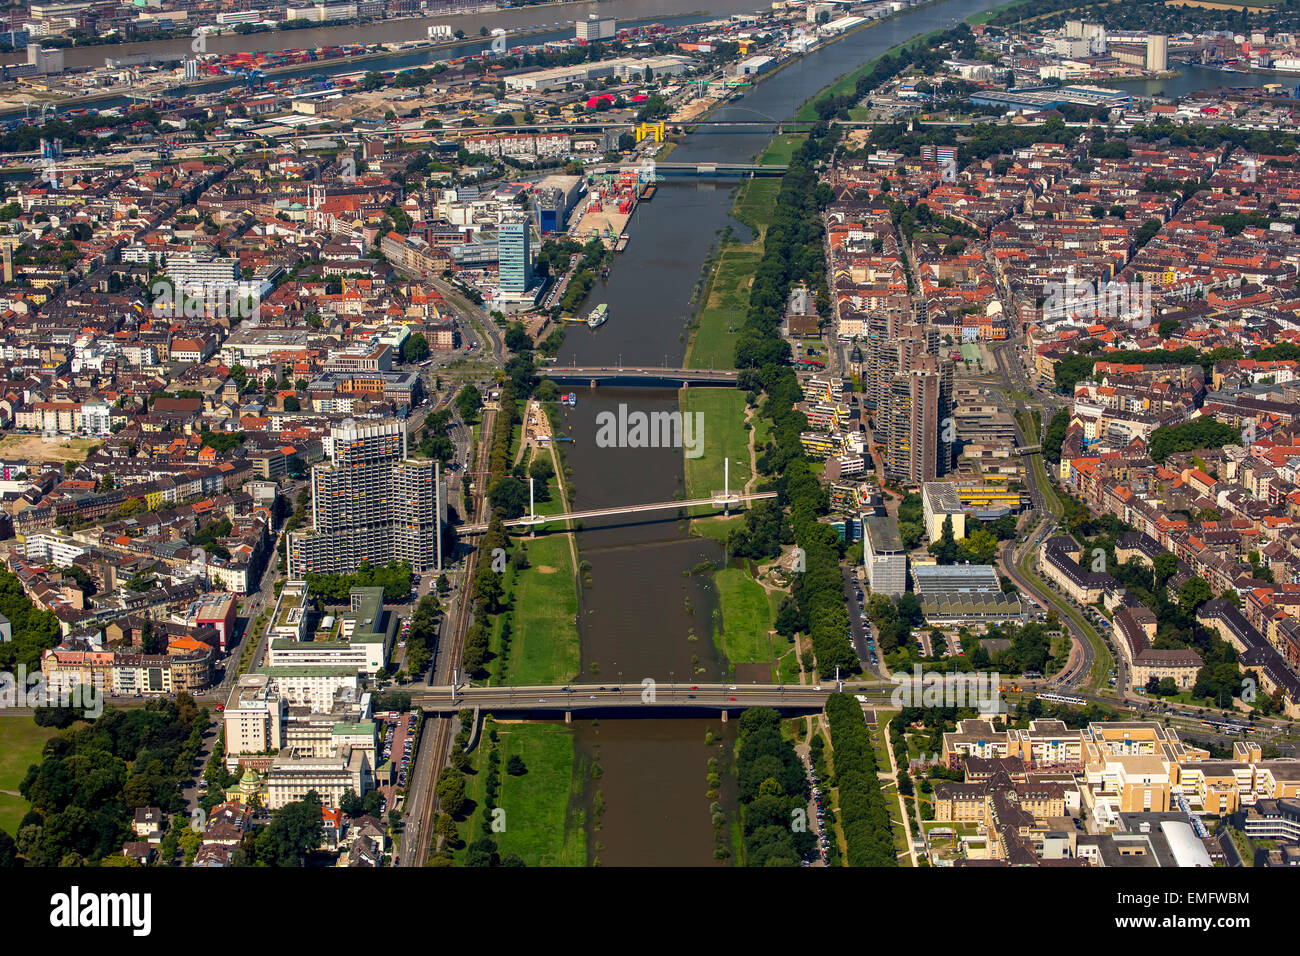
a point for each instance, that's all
(532, 517)
(725, 499)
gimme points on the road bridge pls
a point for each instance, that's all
(683, 698)
(696, 169)
(593, 377)
(637, 698)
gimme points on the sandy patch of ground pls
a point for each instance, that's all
(693, 109)
(40, 448)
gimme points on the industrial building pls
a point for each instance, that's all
(963, 594)
(557, 78)
(553, 200)
(596, 28)
(986, 501)
(755, 65)
(1050, 99)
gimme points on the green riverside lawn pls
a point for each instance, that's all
(780, 150)
(543, 822)
(713, 344)
(544, 645)
(725, 438)
(746, 618)
(757, 199)
(544, 641)
(726, 301)
(747, 611)
(21, 743)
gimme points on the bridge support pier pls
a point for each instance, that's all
(592, 384)
(568, 716)
(724, 716)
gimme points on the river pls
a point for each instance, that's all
(553, 22)
(1193, 78)
(638, 613)
(301, 39)
(561, 16)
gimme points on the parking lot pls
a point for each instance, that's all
(398, 746)
(817, 814)
(398, 658)
(860, 634)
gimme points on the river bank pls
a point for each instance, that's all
(537, 812)
(643, 614)
(531, 17)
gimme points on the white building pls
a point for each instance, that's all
(50, 547)
(96, 418)
(884, 556)
(253, 718)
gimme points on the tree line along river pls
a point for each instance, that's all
(644, 614)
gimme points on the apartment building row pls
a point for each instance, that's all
(187, 666)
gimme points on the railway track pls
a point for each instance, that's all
(449, 656)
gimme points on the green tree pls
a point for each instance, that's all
(468, 402)
(1165, 566)
(1194, 593)
(415, 348)
(945, 549)
(295, 830)
(983, 544)
(450, 790)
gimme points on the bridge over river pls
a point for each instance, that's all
(722, 501)
(594, 376)
(636, 698)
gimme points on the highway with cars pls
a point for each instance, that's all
(1013, 376)
(640, 695)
